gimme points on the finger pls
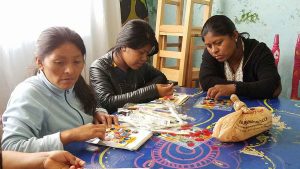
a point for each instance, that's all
(79, 163)
(116, 120)
(170, 92)
(101, 127)
(219, 94)
(172, 89)
(209, 91)
(100, 131)
(95, 121)
(109, 120)
(103, 120)
(70, 158)
(101, 135)
(213, 93)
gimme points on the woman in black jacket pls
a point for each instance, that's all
(123, 76)
(232, 63)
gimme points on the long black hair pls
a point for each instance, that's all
(220, 25)
(54, 37)
(136, 34)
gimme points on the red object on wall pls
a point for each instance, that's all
(275, 49)
(296, 72)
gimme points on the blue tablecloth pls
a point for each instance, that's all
(277, 148)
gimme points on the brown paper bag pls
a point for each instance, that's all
(243, 123)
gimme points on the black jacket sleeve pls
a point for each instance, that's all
(261, 75)
(109, 93)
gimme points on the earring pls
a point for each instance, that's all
(235, 40)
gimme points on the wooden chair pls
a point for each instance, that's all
(182, 71)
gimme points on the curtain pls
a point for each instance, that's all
(97, 21)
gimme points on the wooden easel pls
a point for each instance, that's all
(183, 71)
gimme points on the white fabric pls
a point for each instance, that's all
(97, 21)
(237, 76)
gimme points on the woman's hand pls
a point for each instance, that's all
(221, 90)
(165, 89)
(83, 133)
(41, 160)
(106, 119)
(62, 160)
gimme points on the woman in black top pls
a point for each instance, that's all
(233, 63)
(123, 76)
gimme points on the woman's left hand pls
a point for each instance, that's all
(106, 119)
(62, 160)
(221, 90)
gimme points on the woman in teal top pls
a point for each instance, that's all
(55, 107)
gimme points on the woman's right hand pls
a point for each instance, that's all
(106, 119)
(165, 89)
(62, 160)
(83, 133)
(221, 90)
